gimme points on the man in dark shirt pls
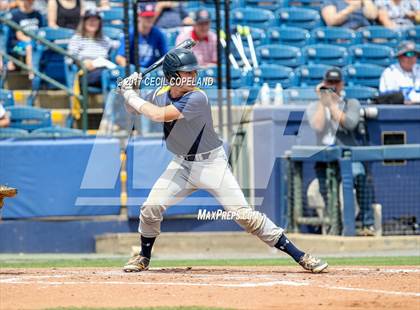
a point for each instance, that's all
(152, 41)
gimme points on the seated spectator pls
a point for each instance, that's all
(89, 44)
(4, 117)
(206, 48)
(398, 14)
(171, 14)
(25, 16)
(65, 13)
(351, 14)
(335, 121)
(403, 76)
(151, 40)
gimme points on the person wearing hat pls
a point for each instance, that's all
(151, 40)
(89, 44)
(206, 48)
(335, 121)
(403, 76)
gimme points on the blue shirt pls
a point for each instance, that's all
(151, 47)
(354, 20)
(29, 21)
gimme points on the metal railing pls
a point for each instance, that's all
(83, 97)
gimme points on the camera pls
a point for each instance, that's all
(327, 88)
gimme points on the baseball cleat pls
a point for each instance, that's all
(136, 264)
(311, 263)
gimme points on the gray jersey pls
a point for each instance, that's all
(194, 133)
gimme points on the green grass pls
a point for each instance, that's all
(153, 308)
(117, 263)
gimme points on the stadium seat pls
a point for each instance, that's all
(292, 36)
(413, 34)
(259, 37)
(6, 133)
(110, 78)
(6, 98)
(114, 34)
(326, 54)
(300, 95)
(273, 74)
(362, 93)
(289, 56)
(49, 62)
(252, 17)
(308, 4)
(238, 79)
(298, 17)
(372, 54)
(380, 35)
(113, 17)
(363, 75)
(311, 75)
(271, 5)
(334, 35)
(56, 132)
(29, 118)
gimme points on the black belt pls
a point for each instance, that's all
(202, 156)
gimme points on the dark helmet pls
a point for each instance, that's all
(180, 59)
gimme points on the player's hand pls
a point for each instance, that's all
(130, 83)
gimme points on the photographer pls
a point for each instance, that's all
(335, 121)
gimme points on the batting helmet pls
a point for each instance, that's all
(180, 59)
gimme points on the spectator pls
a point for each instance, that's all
(335, 122)
(206, 48)
(398, 14)
(349, 13)
(89, 44)
(65, 13)
(29, 19)
(171, 14)
(403, 76)
(152, 42)
(4, 117)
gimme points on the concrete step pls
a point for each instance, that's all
(241, 244)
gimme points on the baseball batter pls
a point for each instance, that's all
(200, 161)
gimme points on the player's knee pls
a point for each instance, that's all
(250, 220)
(151, 213)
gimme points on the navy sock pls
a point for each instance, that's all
(146, 246)
(288, 247)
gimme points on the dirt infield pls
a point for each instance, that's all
(233, 287)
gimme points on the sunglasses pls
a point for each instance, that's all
(410, 54)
